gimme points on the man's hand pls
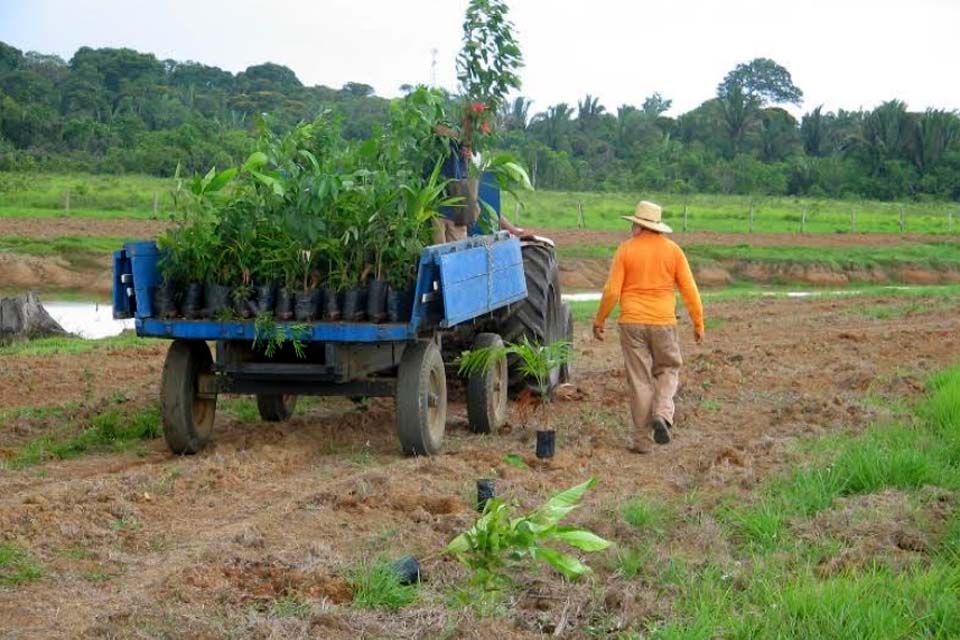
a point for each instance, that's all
(698, 336)
(598, 332)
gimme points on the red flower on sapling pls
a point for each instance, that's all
(477, 107)
(485, 126)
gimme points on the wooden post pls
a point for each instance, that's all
(580, 223)
(903, 222)
(803, 220)
(516, 213)
(950, 221)
(156, 203)
(684, 217)
(853, 220)
(66, 201)
(750, 230)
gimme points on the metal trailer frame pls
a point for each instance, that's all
(458, 285)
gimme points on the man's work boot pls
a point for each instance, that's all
(661, 430)
(640, 444)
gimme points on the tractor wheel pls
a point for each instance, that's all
(487, 391)
(187, 417)
(538, 317)
(421, 399)
(566, 369)
(276, 407)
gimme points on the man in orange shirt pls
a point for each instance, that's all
(646, 270)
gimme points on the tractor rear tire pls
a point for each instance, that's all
(538, 317)
(276, 407)
(487, 390)
(421, 399)
(187, 417)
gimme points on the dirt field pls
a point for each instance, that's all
(151, 545)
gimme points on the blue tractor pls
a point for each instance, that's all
(477, 292)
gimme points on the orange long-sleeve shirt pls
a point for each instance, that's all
(646, 269)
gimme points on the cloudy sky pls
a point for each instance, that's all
(842, 53)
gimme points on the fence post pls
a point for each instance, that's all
(750, 229)
(66, 201)
(156, 203)
(950, 221)
(516, 213)
(580, 223)
(684, 217)
(803, 220)
(853, 220)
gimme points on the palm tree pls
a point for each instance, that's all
(931, 135)
(739, 112)
(588, 110)
(555, 121)
(884, 135)
(516, 114)
(812, 132)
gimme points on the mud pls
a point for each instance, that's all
(153, 545)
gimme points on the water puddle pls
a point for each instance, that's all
(87, 319)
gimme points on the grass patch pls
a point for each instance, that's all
(646, 515)
(17, 566)
(243, 408)
(292, 605)
(730, 214)
(774, 587)
(73, 248)
(112, 430)
(72, 345)
(377, 586)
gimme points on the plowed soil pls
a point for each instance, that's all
(206, 546)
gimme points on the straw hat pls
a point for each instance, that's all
(648, 215)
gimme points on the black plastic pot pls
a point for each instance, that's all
(246, 304)
(354, 304)
(284, 307)
(307, 305)
(193, 301)
(331, 304)
(546, 443)
(216, 299)
(486, 489)
(399, 304)
(165, 299)
(407, 570)
(266, 298)
(377, 301)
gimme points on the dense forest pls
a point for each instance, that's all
(118, 110)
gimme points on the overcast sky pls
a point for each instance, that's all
(842, 53)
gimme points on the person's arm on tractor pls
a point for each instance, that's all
(611, 294)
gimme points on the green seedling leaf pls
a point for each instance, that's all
(220, 180)
(581, 539)
(515, 461)
(570, 567)
(557, 507)
(256, 160)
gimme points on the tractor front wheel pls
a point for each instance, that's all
(186, 414)
(421, 399)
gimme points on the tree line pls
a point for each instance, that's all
(119, 110)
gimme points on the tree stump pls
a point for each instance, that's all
(23, 317)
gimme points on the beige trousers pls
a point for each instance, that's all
(651, 354)
(445, 231)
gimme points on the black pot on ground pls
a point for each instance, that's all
(284, 307)
(193, 301)
(407, 569)
(216, 300)
(354, 304)
(486, 489)
(546, 443)
(165, 298)
(307, 305)
(331, 304)
(377, 301)
(266, 298)
(399, 304)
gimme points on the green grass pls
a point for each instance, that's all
(377, 586)
(773, 586)
(94, 196)
(244, 408)
(925, 254)
(69, 345)
(292, 605)
(646, 515)
(112, 430)
(17, 566)
(730, 214)
(66, 246)
(132, 196)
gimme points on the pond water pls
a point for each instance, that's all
(87, 319)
